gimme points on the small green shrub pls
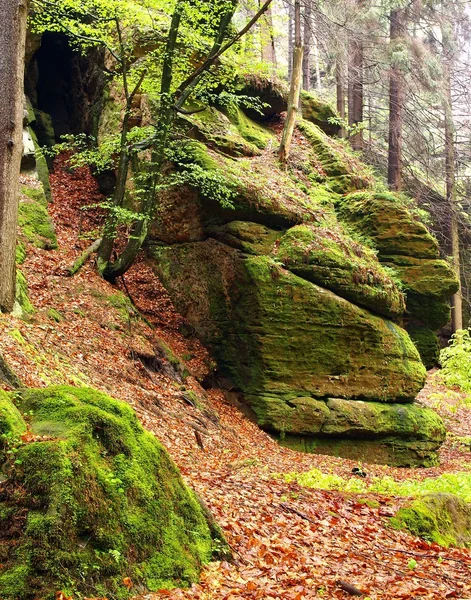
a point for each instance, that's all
(456, 361)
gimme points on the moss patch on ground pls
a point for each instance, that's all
(88, 498)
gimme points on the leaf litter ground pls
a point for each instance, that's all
(288, 542)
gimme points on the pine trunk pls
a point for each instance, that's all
(340, 86)
(355, 90)
(12, 52)
(268, 38)
(396, 107)
(307, 46)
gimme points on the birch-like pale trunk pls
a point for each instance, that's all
(13, 15)
(295, 88)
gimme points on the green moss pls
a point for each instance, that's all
(35, 194)
(252, 132)
(55, 315)
(426, 342)
(41, 167)
(22, 297)
(251, 238)
(34, 221)
(344, 172)
(386, 221)
(20, 253)
(12, 424)
(441, 518)
(432, 312)
(320, 113)
(101, 500)
(331, 259)
(246, 308)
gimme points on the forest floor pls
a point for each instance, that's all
(289, 542)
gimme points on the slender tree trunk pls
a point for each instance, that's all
(307, 45)
(295, 88)
(396, 105)
(450, 162)
(290, 39)
(317, 63)
(355, 90)
(267, 37)
(12, 52)
(340, 87)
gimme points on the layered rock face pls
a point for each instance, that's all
(298, 290)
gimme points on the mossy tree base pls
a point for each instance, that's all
(89, 498)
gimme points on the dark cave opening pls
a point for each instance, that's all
(65, 88)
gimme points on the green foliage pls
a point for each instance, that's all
(212, 183)
(451, 483)
(456, 361)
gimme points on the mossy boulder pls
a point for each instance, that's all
(288, 344)
(250, 238)
(333, 260)
(388, 224)
(23, 306)
(342, 172)
(429, 284)
(245, 307)
(271, 93)
(426, 342)
(35, 224)
(229, 130)
(261, 194)
(89, 498)
(403, 435)
(320, 113)
(441, 518)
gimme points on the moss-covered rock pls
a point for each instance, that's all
(35, 224)
(333, 260)
(91, 498)
(441, 518)
(429, 284)
(343, 172)
(385, 221)
(320, 113)
(247, 307)
(403, 435)
(426, 342)
(251, 238)
(23, 306)
(12, 425)
(272, 94)
(251, 131)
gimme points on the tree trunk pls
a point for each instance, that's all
(268, 38)
(307, 45)
(450, 151)
(295, 88)
(290, 39)
(355, 85)
(396, 106)
(340, 86)
(12, 52)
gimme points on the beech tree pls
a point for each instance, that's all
(13, 15)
